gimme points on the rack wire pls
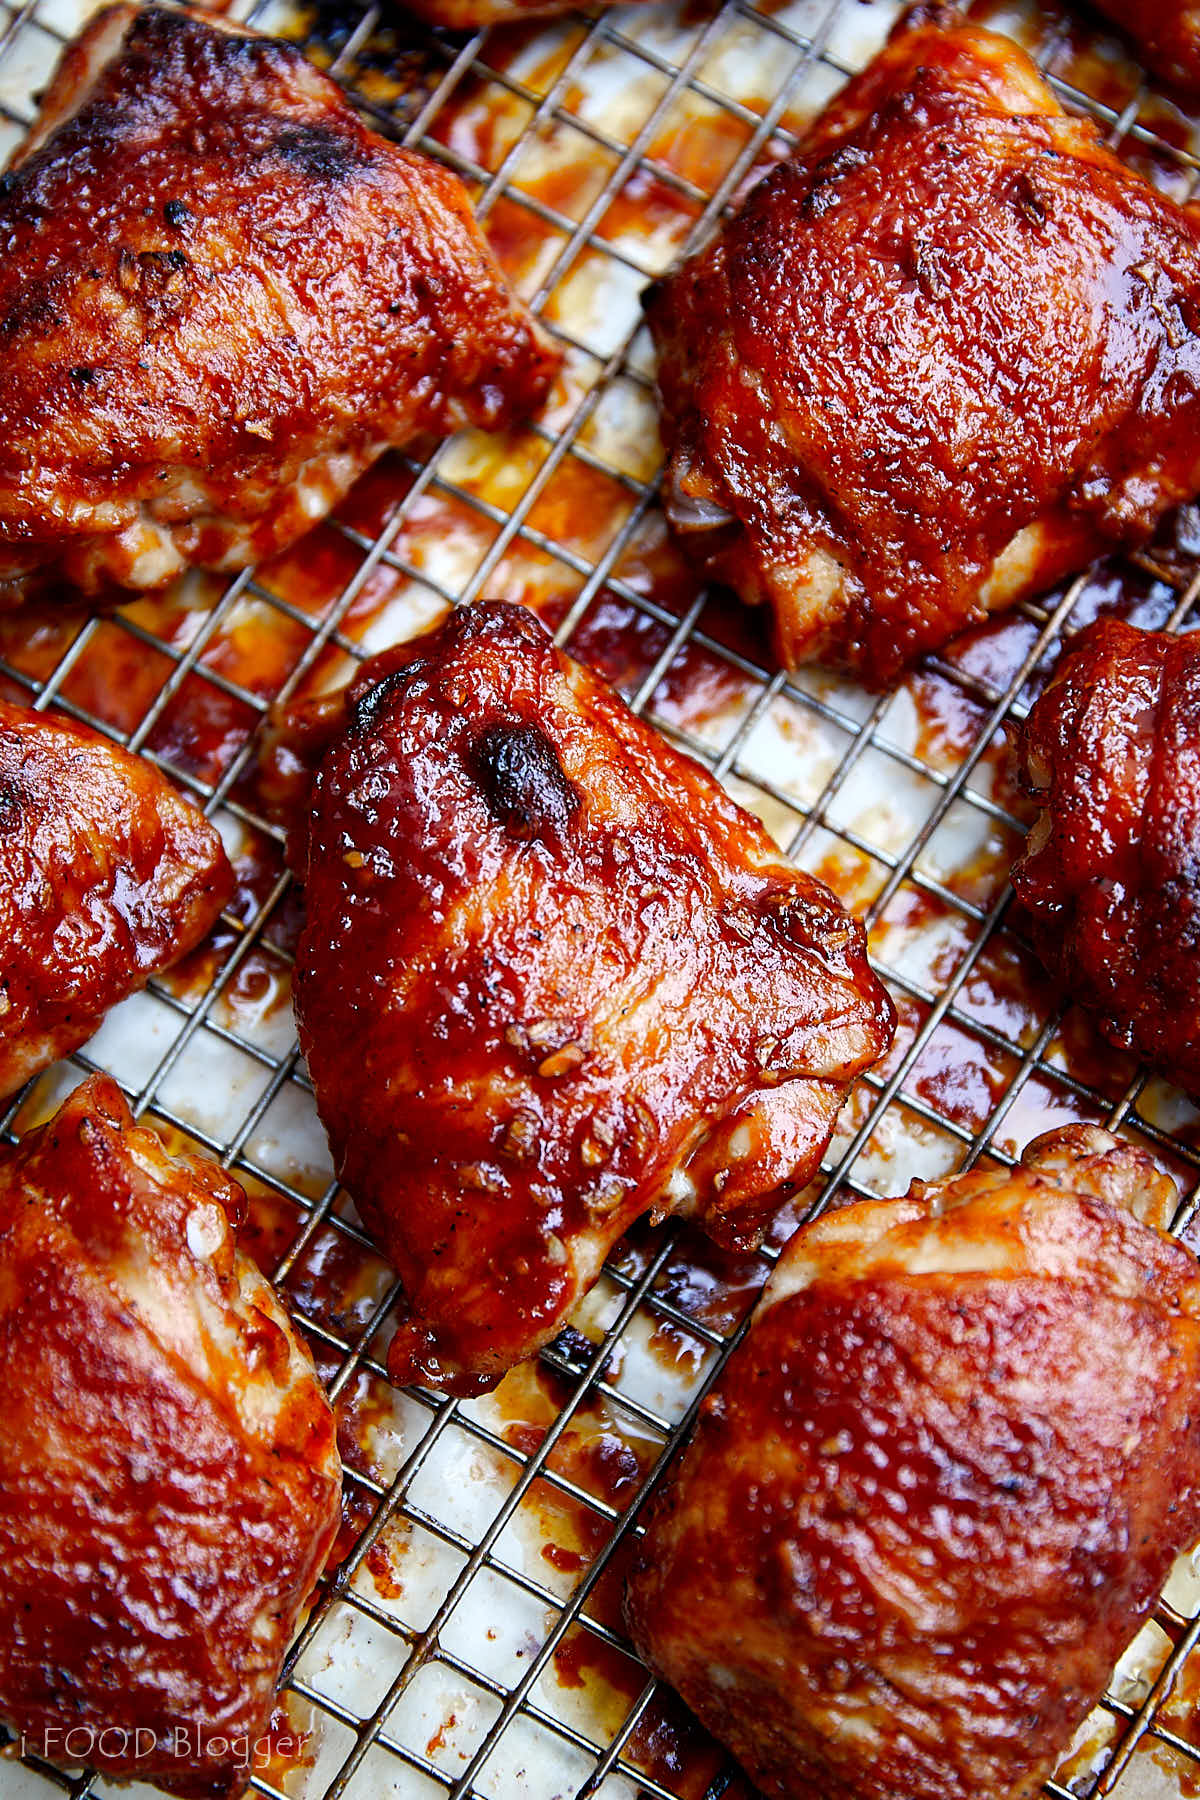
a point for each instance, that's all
(595, 150)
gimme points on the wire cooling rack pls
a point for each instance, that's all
(468, 1640)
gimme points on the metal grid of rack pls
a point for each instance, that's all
(210, 1061)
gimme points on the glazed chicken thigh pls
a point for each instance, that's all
(1109, 876)
(107, 876)
(551, 978)
(220, 299)
(947, 352)
(169, 1476)
(937, 1489)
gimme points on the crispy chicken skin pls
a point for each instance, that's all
(1167, 33)
(221, 298)
(947, 352)
(107, 877)
(169, 1476)
(552, 978)
(1110, 876)
(938, 1487)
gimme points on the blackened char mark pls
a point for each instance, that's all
(519, 775)
(368, 707)
(14, 801)
(320, 152)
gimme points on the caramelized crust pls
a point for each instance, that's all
(551, 978)
(107, 876)
(220, 299)
(938, 1488)
(1110, 876)
(1167, 34)
(947, 352)
(169, 1477)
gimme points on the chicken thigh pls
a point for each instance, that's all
(551, 979)
(107, 876)
(946, 353)
(1110, 876)
(937, 1489)
(1167, 35)
(221, 298)
(169, 1477)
